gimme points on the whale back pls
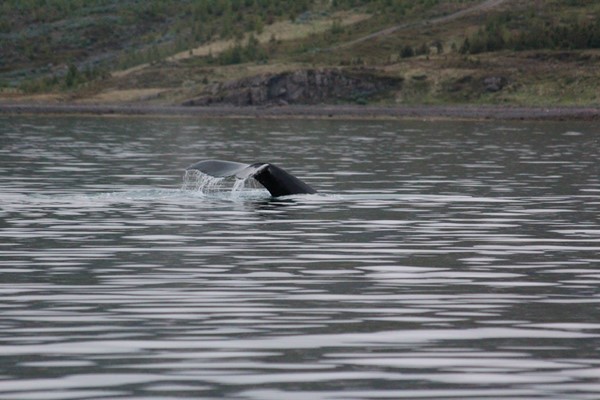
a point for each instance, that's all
(279, 182)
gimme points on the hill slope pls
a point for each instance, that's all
(311, 51)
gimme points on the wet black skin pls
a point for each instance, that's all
(280, 183)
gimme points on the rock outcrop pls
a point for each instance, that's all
(494, 84)
(307, 86)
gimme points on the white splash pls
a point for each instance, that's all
(197, 181)
(239, 185)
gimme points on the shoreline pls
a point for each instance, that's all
(425, 112)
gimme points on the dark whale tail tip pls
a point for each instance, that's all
(276, 180)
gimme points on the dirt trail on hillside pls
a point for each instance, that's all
(484, 6)
(281, 30)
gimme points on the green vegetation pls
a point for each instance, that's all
(71, 79)
(81, 47)
(36, 33)
(42, 32)
(509, 32)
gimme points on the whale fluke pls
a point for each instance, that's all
(276, 180)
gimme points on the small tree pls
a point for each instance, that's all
(72, 77)
(466, 47)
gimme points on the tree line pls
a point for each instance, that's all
(537, 34)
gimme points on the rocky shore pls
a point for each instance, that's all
(425, 112)
(304, 86)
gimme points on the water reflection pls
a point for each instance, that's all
(454, 260)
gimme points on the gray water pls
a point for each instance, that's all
(438, 260)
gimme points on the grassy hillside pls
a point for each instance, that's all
(167, 51)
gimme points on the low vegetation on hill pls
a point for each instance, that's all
(172, 51)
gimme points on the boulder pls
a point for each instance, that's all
(494, 84)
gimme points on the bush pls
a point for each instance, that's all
(407, 51)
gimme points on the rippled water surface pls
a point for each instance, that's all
(439, 260)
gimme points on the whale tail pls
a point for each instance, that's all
(276, 180)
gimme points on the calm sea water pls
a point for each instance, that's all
(439, 260)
